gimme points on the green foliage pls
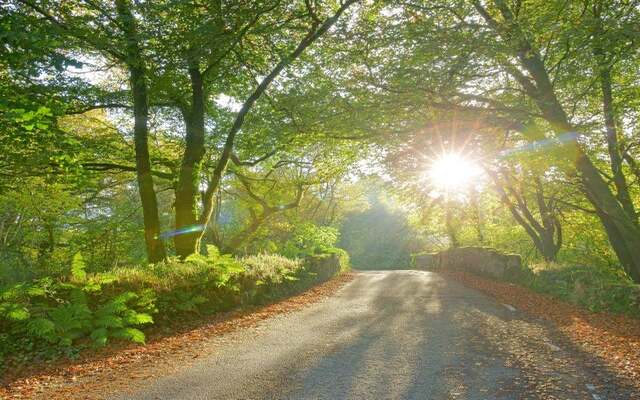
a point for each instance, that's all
(78, 268)
(51, 317)
(270, 276)
(65, 311)
(378, 237)
(223, 266)
(199, 284)
(451, 81)
(308, 239)
(63, 315)
(270, 268)
(595, 288)
(344, 261)
(33, 218)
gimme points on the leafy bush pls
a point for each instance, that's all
(199, 284)
(272, 268)
(324, 266)
(54, 316)
(270, 276)
(596, 288)
(50, 317)
(343, 258)
(310, 239)
(213, 268)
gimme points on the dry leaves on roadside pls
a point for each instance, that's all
(613, 338)
(98, 372)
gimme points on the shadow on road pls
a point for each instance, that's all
(416, 335)
(394, 335)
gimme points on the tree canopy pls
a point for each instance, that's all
(134, 131)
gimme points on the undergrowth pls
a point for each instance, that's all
(52, 317)
(595, 288)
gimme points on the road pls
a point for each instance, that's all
(392, 335)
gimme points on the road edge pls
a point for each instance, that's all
(102, 372)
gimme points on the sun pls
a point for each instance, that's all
(453, 172)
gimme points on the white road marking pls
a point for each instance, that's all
(592, 388)
(553, 346)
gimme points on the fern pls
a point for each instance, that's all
(132, 317)
(41, 327)
(108, 321)
(14, 311)
(70, 322)
(78, 266)
(132, 334)
(67, 312)
(186, 301)
(100, 336)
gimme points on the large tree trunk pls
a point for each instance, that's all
(187, 240)
(621, 228)
(549, 249)
(623, 233)
(613, 147)
(137, 77)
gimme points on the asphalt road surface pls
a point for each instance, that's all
(392, 335)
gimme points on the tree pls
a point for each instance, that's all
(623, 231)
(122, 34)
(135, 63)
(513, 65)
(546, 230)
(185, 200)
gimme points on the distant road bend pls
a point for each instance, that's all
(391, 335)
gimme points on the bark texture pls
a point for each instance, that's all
(138, 82)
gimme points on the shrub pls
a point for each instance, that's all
(270, 276)
(596, 288)
(54, 316)
(200, 284)
(324, 266)
(50, 317)
(270, 267)
(310, 239)
(343, 258)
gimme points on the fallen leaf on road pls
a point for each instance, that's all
(99, 372)
(615, 339)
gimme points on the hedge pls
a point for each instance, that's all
(48, 318)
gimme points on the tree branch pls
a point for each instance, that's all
(98, 166)
(220, 168)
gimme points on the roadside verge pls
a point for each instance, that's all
(615, 339)
(97, 373)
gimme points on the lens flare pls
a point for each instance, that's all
(541, 145)
(182, 231)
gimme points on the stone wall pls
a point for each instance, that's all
(480, 260)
